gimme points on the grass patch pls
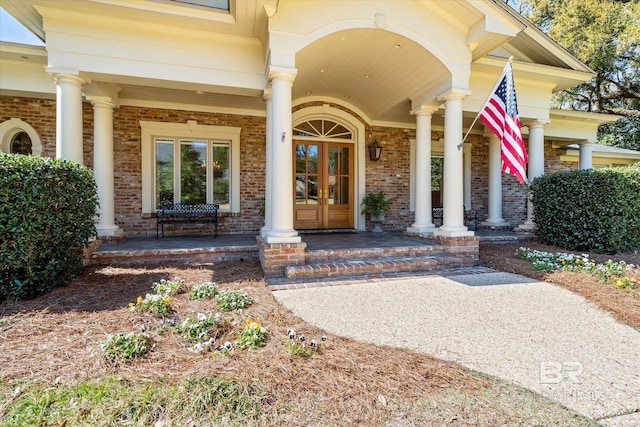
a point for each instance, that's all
(204, 400)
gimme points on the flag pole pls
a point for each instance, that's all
(485, 103)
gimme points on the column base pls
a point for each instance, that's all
(109, 231)
(527, 226)
(422, 229)
(495, 224)
(454, 231)
(281, 237)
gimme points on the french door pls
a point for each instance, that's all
(323, 185)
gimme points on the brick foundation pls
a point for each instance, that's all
(463, 247)
(275, 257)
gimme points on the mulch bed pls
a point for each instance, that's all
(56, 338)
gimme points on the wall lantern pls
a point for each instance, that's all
(375, 149)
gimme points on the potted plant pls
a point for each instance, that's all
(376, 204)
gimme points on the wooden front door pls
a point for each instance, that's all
(323, 185)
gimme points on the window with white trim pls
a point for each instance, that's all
(190, 163)
(18, 137)
(189, 170)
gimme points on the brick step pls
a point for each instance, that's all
(361, 254)
(350, 268)
(158, 256)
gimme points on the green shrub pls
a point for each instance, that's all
(47, 213)
(589, 210)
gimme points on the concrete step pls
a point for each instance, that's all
(375, 267)
(361, 254)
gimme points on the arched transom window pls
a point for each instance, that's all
(321, 128)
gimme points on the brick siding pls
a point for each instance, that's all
(390, 174)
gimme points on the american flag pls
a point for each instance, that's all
(500, 114)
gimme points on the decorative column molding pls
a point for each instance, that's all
(586, 156)
(103, 164)
(423, 214)
(281, 205)
(453, 191)
(68, 114)
(495, 218)
(268, 163)
(536, 165)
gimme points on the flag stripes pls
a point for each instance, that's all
(500, 114)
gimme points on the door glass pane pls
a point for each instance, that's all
(344, 161)
(221, 172)
(301, 158)
(312, 190)
(312, 159)
(193, 171)
(338, 190)
(164, 171)
(301, 190)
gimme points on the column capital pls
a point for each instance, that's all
(424, 110)
(453, 94)
(67, 76)
(267, 95)
(101, 101)
(537, 123)
(281, 73)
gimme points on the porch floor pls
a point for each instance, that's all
(235, 246)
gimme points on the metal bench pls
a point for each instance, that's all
(186, 213)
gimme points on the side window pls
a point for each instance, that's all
(18, 137)
(20, 144)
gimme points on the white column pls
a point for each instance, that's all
(453, 186)
(495, 184)
(103, 164)
(466, 160)
(281, 203)
(423, 216)
(268, 164)
(536, 164)
(586, 156)
(68, 116)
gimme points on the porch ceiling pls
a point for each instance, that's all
(376, 71)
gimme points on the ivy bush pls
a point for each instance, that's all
(589, 210)
(47, 213)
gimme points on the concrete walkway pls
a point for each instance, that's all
(530, 333)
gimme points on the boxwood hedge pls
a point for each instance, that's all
(589, 210)
(47, 213)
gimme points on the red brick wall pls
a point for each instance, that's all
(390, 174)
(128, 165)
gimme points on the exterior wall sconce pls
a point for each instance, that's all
(375, 149)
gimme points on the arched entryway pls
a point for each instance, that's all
(328, 169)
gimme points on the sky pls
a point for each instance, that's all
(12, 31)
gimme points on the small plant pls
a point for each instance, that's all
(232, 300)
(626, 282)
(204, 290)
(298, 346)
(170, 287)
(122, 346)
(198, 328)
(153, 303)
(203, 347)
(376, 204)
(253, 335)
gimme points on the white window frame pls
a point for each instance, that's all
(11, 128)
(187, 131)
